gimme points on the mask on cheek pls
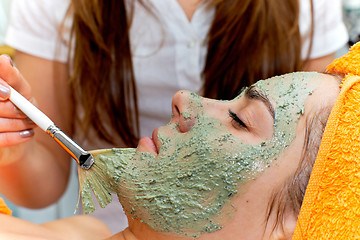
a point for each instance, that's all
(184, 188)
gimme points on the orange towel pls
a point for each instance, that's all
(3, 208)
(347, 64)
(331, 207)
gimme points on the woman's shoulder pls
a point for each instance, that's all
(34, 26)
(40, 10)
(319, 7)
(329, 30)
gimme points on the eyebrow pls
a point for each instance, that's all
(253, 93)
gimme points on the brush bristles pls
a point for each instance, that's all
(103, 177)
(94, 179)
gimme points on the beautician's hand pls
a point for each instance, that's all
(34, 170)
(15, 127)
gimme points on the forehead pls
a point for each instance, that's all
(289, 84)
(325, 94)
(289, 92)
(294, 88)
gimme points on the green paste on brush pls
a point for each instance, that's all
(184, 188)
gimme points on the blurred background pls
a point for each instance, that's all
(351, 16)
(4, 10)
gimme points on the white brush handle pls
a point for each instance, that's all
(38, 117)
(83, 158)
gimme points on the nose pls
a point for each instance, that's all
(183, 115)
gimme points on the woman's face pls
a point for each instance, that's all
(189, 177)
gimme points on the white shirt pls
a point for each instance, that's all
(168, 56)
(4, 12)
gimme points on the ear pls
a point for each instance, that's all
(285, 231)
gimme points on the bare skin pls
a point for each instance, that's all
(79, 227)
(189, 7)
(25, 157)
(319, 64)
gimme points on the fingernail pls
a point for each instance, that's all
(29, 121)
(10, 60)
(27, 133)
(17, 111)
(4, 92)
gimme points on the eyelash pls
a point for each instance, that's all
(237, 119)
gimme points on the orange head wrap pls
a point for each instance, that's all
(331, 206)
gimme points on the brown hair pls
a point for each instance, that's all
(103, 80)
(288, 197)
(248, 40)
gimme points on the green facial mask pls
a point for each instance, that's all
(184, 188)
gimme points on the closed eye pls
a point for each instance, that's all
(236, 119)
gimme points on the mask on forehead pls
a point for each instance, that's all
(184, 188)
(289, 93)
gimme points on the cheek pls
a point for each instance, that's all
(188, 184)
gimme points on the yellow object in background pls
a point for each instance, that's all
(6, 50)
(3, 208)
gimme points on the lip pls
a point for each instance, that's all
(156, 140)
(146, 144)
(151, 145)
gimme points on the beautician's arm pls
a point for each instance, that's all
(35, 173)
(319, 64)
(78, 227)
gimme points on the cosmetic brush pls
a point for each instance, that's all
(84, 159)
(92, 173)
(91, 164)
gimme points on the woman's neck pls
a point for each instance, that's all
(189, 7)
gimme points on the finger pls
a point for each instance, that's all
(4, 91)
(11, 125)
(9, 110)
(13, 77)
(14, 138)
(12, 110)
